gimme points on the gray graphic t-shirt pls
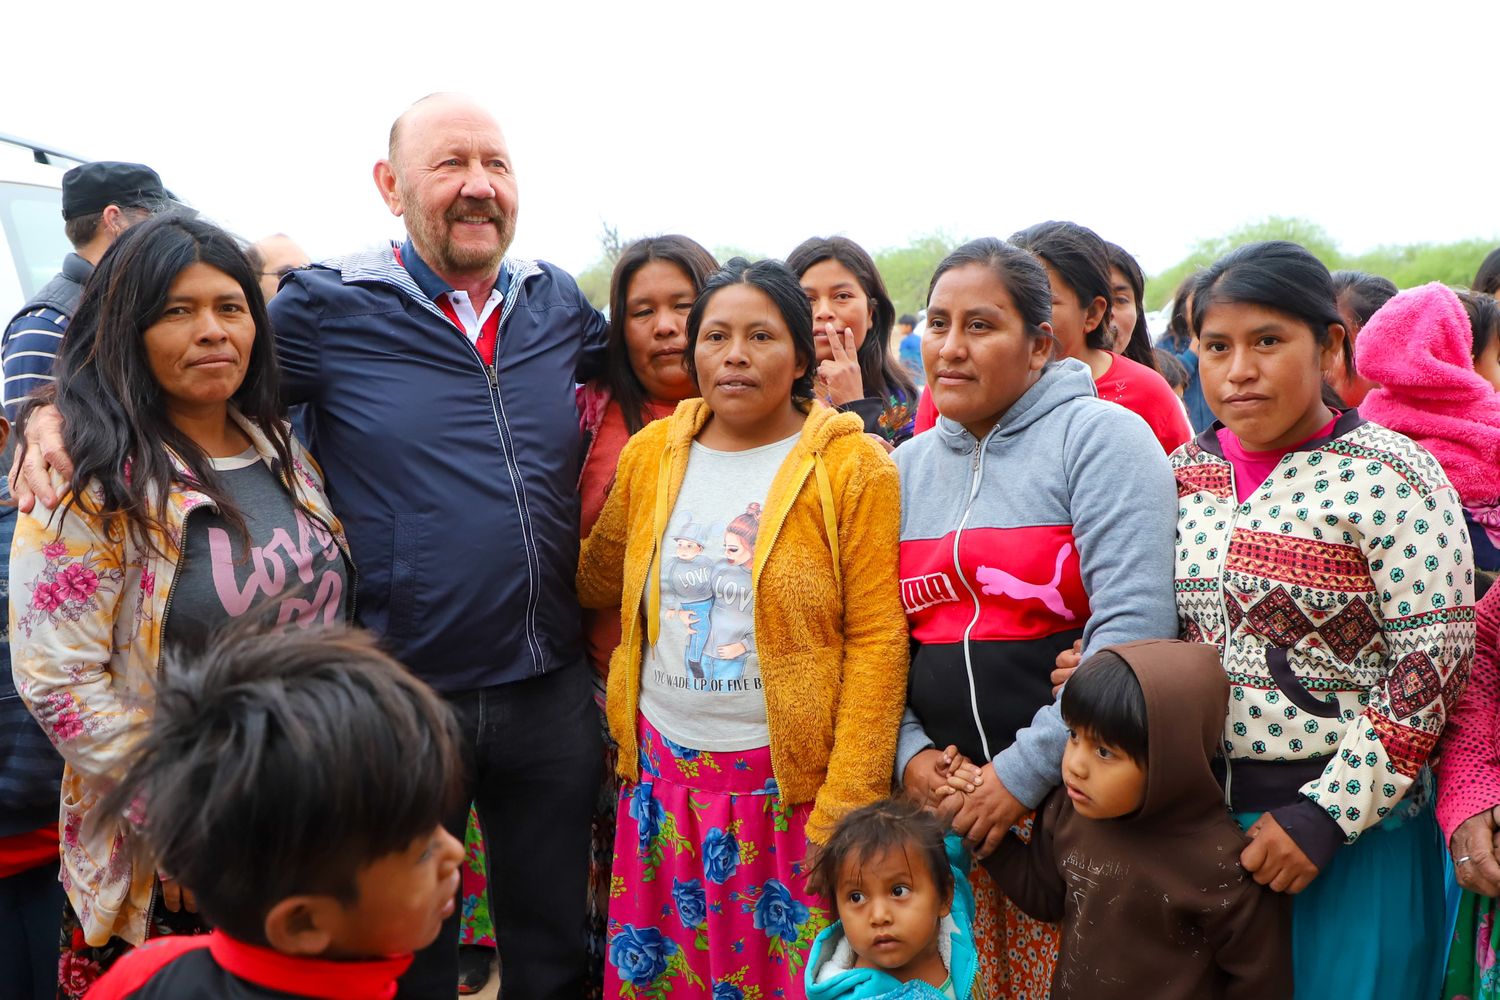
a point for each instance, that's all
(700, 683)
(293, 573)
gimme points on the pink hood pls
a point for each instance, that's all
(1419, 347)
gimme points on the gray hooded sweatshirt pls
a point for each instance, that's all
(1059, 525)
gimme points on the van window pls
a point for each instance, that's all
(31, 219)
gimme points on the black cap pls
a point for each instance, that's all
(91, 187)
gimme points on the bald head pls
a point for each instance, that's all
(277, 255)
(437, 106)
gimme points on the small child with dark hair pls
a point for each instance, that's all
(1137, 854)
(295, 782)
(905, 910)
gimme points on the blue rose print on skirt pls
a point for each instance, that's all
(721, 855)
(721, 880)
(679, 751)
(779, 913)
(641, 954)
(691, 905)
(647, 812)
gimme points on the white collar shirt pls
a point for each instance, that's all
(471, 321)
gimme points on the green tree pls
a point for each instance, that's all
(1407, 265)
(1418, 263)
(1160, 288)
(727, 253)
(593, 281)
(908, 270)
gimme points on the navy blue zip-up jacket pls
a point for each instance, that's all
(457, 487)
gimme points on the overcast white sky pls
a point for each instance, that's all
(757, 123)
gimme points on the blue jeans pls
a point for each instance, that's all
(715, 669)
(699, 639)
(533, 761)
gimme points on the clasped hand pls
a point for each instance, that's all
(970, 798)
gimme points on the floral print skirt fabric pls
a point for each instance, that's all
(1473, 971)
(708, 897)
(476, 928)
(1016, 953)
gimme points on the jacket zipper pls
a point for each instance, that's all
(517, 279)
(502, 427)
(976, 474)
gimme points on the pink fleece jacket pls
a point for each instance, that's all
(1468, 757)
(1419, 347)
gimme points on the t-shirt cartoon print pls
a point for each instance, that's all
(292, 575)
(700, 684)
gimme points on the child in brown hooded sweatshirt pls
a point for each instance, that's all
(1137, 854)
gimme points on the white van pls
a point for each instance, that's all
(32, 244)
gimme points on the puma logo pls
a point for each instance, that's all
(998, 583)
(919, 593)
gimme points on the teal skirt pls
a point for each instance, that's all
(1374, 924)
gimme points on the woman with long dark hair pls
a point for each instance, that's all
(652, 290)
(1487, 278)
(189, 505)
(1077, 265)
(1078, 269)
(853, 317)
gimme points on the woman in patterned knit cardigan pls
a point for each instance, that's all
(1327, 557)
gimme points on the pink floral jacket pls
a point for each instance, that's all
(86, 617)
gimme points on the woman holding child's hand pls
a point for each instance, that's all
(1327, 559)
(1034, 546)
(184, 488)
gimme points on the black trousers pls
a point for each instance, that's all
(533, 757)
(31, 905)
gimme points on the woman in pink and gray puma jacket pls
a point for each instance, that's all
(1034, 515)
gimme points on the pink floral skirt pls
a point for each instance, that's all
(708, 897)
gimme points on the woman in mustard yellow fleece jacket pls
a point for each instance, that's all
(751, 542)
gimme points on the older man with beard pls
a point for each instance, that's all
(439, 376)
